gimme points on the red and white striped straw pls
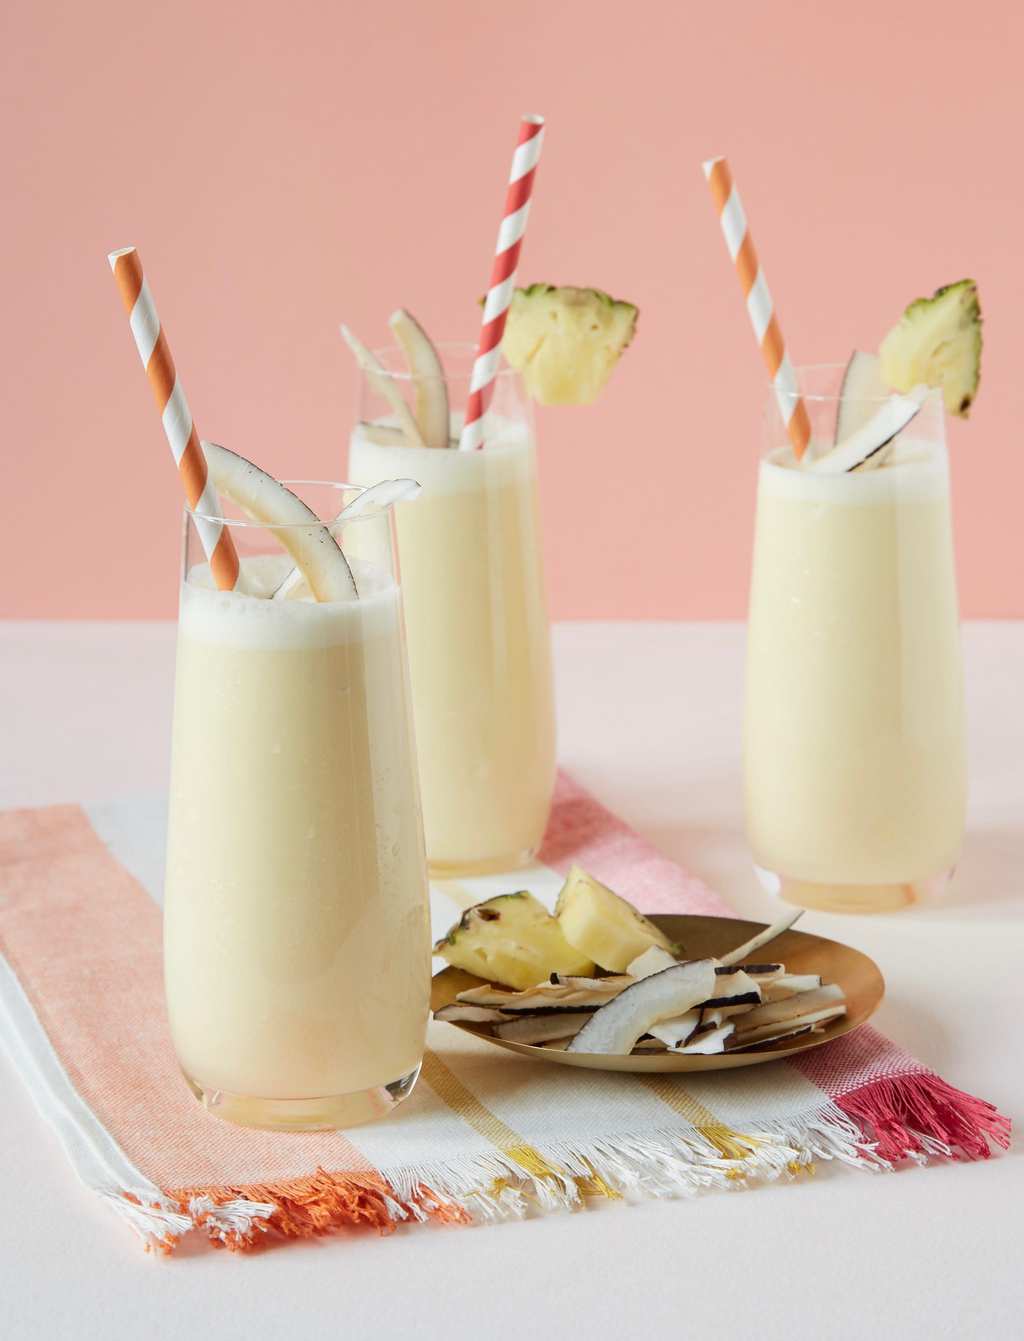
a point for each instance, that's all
(151, 342)
(503, 279)
(759, 303)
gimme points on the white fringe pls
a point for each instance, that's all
(664, 1164)
(494, 1187)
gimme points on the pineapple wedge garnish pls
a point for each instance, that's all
(566, 341)
(603, 926)
(514, 940)
(937, 341)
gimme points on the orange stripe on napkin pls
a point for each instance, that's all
(84, 939)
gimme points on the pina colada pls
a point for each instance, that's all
(479, 651)
(855, 751)
(479, 647)
(855, 773)
(296, 928)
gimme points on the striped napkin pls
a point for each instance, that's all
(485, 1135)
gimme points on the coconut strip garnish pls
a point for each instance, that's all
(615, 982)
(679, 1028)
(777, 1012)
(762, 938)
(782, 1035)
(384, 384)
(706, 1042)
(789, 984)
(457, 1013)
(616, 1027)
(647, 1045)
(536, 1029)
(546, 996)
(770, 1032)
(734, 988)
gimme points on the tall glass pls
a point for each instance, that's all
(855, 756)
(296, 930)
(479, 642)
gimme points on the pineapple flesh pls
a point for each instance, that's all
(566, 341)
(513, 940)
(600, 924)
(938, 341)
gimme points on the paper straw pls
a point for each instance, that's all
(759, 303)
(503, 279)
(151, 342)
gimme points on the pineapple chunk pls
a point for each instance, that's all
(566, 341)
(602, 925)
(938, 341)
(514, 940)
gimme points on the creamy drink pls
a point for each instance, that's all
(855, 753)
(296, 931)
(855, 768)
(479, 650)
(470, 547)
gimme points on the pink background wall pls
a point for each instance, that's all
(284, 166)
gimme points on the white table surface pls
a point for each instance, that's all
(649, 717)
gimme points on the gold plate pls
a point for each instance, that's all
(702, 937)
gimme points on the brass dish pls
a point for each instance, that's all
(801, 952)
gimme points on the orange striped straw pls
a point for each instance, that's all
(759, 303)
(151, 342)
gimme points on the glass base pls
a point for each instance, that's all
(456, 870)
(838, 898)
(329, 1113)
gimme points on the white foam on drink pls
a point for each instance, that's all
(508, 447)
(247, 618)
(914, 470)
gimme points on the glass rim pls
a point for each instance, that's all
(466, 347)
(819, 397)
(248, 522)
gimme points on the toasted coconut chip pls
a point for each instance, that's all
(707, 1041)
(542, 1028)
(613, 984)
(761, 973)
(678, 1029)
(770, 1031)
(737, 1044)
(458, 1013)
(649, 1045)
(615, 1028)
(734, 988)
(762, 938)
(712, 1017)
(800, 1004)
(653, 960)
(789, 984)
(546, 997)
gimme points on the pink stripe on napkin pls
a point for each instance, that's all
(581, 832)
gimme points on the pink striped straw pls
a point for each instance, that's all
(503, 279)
